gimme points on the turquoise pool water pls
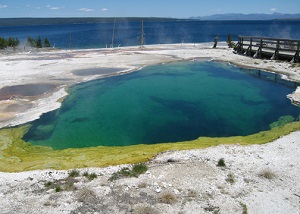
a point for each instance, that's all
(165, 103)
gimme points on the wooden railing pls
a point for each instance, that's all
(274, 48)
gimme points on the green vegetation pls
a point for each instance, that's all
(37, 43)
(126, 172)
(48, 184)
(10, 42)
(230, 178)
(221, 163)
(17, 155)
(230, 43)
(58, 189)
(245, 209)
(46, 43)
(31, 41)
(74, 173)
(91, 176)
(59, 185)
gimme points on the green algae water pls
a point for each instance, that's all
(165, 103)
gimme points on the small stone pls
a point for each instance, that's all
(158, 190)
(176, 192)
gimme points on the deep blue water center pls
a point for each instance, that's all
(165, 103)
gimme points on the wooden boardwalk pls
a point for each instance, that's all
(272, 48)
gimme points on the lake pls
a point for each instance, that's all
(99, 35)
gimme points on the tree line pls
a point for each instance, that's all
(14, 42)
(10, 42)
(37, 43)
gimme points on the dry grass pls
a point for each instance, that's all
(144, 209)
(230, 178)
(267, 173)
(167, 198)
(192, 193)
(142, 185)
(245, 209)
(87, 196)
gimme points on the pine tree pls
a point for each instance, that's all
(10, 42)
(46, 43)
(39, 43)
(16, 42)
(230, 42)
(31, 41)
(2, 43)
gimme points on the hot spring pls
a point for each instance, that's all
(165, 103)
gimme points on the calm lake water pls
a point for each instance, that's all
(96, 35)
(165, 103)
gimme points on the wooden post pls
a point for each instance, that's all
(70, 41)
(113, 34)
(296, 57)
(277, 50)
(251, 46)
(276, 53)
(142, 39)
(242, 45)
(259, 53)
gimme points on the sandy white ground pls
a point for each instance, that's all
(193, 180)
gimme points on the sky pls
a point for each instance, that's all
(141, 8)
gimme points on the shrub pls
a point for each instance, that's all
(267, 173)
(245, 209)
(144, 209)
(74, 173)
(48, 184)
(230, 43)
(91, 176)
(139, 169)
(86, 195)
(168, 198)
(58, 189)
(192, 193)
(142, 185)
(126, 172)
(221, 163)
(230, 178)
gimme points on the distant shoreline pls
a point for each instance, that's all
(28, 21)
(74, 20)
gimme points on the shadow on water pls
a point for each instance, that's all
(43, 128)
(194, 121)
